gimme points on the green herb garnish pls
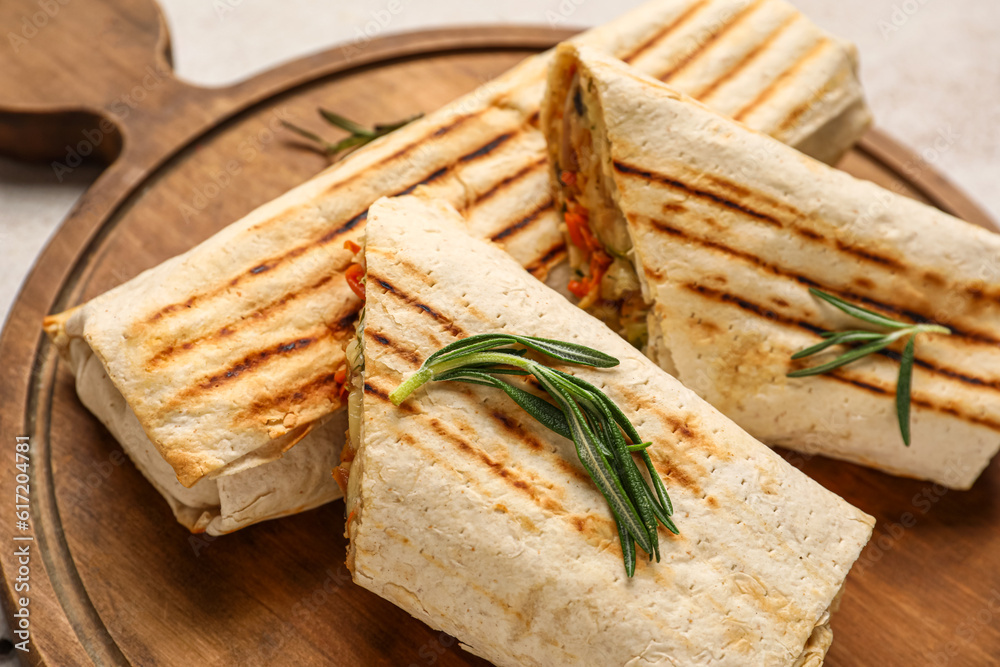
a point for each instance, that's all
(604, 437)
(359, 134)
(868, 342)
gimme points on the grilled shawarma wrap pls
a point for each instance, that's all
(219, 360)
(472, 517)
(728, 229)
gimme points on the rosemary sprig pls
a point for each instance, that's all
(359, 134)
(873, 341)
(605, 439)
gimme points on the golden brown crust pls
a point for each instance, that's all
(731, 229)
(478, 521)
(234, 344)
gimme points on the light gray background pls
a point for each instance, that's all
(931, 69)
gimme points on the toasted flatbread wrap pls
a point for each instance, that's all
(729, 229)
(476, 520)
(226, 356)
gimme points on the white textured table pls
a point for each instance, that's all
(931, 70)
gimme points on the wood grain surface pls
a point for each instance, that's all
(114, 580)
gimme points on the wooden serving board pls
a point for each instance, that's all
(114, 579)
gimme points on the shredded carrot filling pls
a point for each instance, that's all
(340, 476)
(354, 274)
(340, 377)
(352, 246)
(350, 518)
(578, 225)
(568, 178)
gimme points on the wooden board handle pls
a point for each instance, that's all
(91, 80)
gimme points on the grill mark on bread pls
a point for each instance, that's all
(265, 266)
(405, 150)
(713, 36)
(942, 370)
(594, 528)
(472, 155)
(838, 375)
(441, 319)
(517, 433)
(748, 58)
(499, 186)
(271, 263)
(738, 191)
(789, 72)
(186, 344)
(732, 190)
(524, 222)
(688, 436)
(665, 31)
(400, 351)
(646, 175)
(486, 148)
(322, 388)
(766, 313)
(773, 269)
(429, 179)
(542, 498)
(550, 257)
(793, 117)
(167, 310)
(676, 474)
(371, 390)
(841, 375)
(254, 360)
(412, 271)
(773, 316)
(350, 179)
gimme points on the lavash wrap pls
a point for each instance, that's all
(731, 228)
(472, 517)
(224, 357)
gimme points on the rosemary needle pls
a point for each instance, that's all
(604, 437)
(359, 134)
(866, 342)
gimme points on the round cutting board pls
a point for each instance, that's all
(114, 579)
